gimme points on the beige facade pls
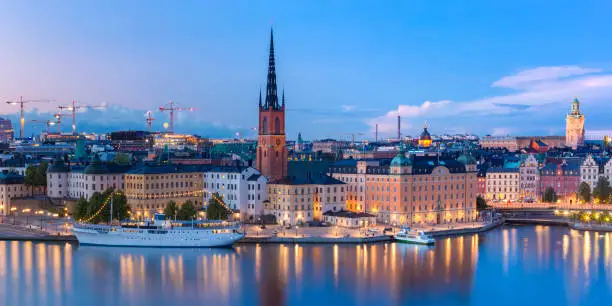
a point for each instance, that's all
(416, 190)
(148, 190)
(9, 191)
(503, 184)
(294, 204)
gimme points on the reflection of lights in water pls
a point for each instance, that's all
(68, 267)
(474, 250)
(28, 261)
(586, 253)
(505, 250)
(258, 262)
(3, 256)
(297, 258)
(565, 246)
(336, 265)
(447, 259)
(460, 251)
(41, 265)
(57, 269)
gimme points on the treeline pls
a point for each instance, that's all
(85, 209)
(602, 193)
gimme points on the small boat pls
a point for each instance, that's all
(405, 235)
(161, 233)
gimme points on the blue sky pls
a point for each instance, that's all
(485, 67)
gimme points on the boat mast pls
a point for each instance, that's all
(111, 210)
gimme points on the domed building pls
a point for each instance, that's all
(425, 138)
(401, 164)
(468, 161)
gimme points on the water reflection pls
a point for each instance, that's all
(538, 262)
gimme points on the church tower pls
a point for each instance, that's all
(271, 149)
(574, 126)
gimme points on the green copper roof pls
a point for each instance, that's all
(466, 159)
(58, 166)
(400, 159)
(96, 166)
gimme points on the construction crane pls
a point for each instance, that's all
(20, 102)
(74, 107)
(149, 119)
(58, 117)
(48, 123)
(172, 108)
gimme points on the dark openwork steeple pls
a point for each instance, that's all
(271, 89)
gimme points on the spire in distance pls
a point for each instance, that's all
(271, 89)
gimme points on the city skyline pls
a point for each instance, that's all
(498, 78)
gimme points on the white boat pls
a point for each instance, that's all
(405, 235)
(161, 233)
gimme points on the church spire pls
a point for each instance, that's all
(271, 95)
(260, 98)
(283, 98)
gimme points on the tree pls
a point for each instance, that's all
(549, 195)
(40, 177)
(29, 176)
(584, 192)
(187, 211)
(481, 203)
(215, 210)
(171, 210)
(121, 209)
(602, 190)
(80, 209)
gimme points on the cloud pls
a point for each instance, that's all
(528, 77)
(348, 108)
(116, 117)
(501, 131)
(533, 89)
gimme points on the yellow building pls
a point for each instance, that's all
(149, 188)
(425, 138)
(11, 186)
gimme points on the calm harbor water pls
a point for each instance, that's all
(507, 266)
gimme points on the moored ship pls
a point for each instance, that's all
(160, 233)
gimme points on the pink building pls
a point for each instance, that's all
(564, 178)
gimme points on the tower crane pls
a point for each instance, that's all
(20, 102)
(353, 137)
(59, 116)
(74, 107)
(172, 108)
(149, 119)
(48, 123)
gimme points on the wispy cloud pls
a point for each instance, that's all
(533, 88)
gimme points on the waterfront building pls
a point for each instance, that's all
(481, 177)
(79, 181)
(574, 126)
(271, 149)
(233, 184)
(57, 179)
(529, 179)
(349, 219)
(304, 197)
(589, 171)
(563, 178)
(6, 130)
(257, 194)
(412, 190)
(149, 187)
(503, 184)
(11, 186)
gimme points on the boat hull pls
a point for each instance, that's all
(414, 241)
(172, 239)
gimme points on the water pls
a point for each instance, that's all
(506, 266)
